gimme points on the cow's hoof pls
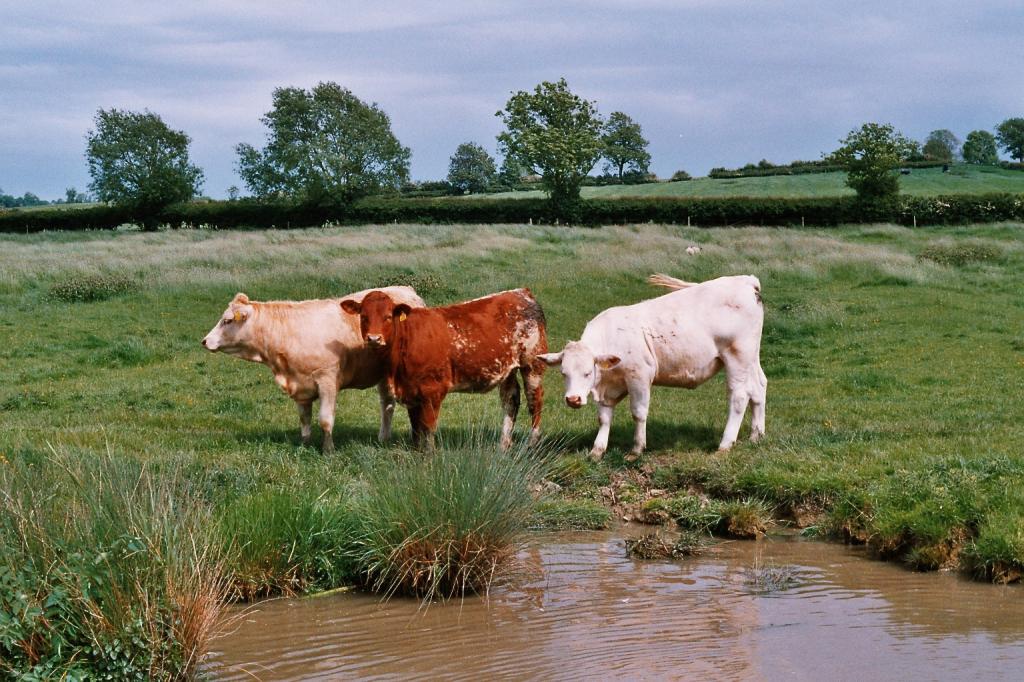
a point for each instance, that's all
(633, 456)
(596, 454)
(756, 436)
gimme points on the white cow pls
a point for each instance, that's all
(313, 348)
(679, 339)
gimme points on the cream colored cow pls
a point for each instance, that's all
(680, 339)
(313, 349)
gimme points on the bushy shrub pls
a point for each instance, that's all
(681, 176)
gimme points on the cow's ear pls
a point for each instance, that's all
(401, 312)
(240, 298)
(351, 307)
(607, 361)
(550, 358)
(240, 313)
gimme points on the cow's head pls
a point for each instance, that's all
(232, 334)
(378, 315)
(581, 369)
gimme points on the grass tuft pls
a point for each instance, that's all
(448, 523)
(657, 546)
(765, 579)
(570, 514)
(287, 540)
(89, 288)
(958, 255)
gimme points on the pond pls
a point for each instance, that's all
(581, 609)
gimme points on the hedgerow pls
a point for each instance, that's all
(703, 212)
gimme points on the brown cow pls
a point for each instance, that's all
(312, 351)
(467, 347)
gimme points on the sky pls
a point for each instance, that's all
(712, 82)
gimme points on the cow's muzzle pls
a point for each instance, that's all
(375, 340)
(574, 401)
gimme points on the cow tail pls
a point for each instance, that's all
(660, 280)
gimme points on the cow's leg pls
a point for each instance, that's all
(605, 412)
(737, 385)
(429, 412)
(639, 402)
(328, 396)
(305, 419)
(387, 410)
(758, 397)
(416, 423)
(509, 392)
(533, 383)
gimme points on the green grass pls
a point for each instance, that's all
(961, 179)
(893, 357)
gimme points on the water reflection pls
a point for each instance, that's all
(582, 610)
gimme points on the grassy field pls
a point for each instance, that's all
(962, 179)
(895, 360)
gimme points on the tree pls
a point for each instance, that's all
(624, 145)
(511, 172)
(73, 196)
(980, 148)
(941, 145)
(555, 134)
(471, 168)
(233, 193)
(324, 146)
(870, 155)
(136, 160)
(1010, 134)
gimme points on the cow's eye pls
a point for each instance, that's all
(226, 320)
(587, 375)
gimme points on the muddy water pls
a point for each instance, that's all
(585, 611)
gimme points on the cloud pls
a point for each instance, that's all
(713, 82)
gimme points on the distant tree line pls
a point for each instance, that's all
(71, 196)
(326, 147)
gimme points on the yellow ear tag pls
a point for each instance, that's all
(238, 316)
(401, 318)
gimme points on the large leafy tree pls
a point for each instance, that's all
(871, 154)
(624, 145)
(136, 160)
(555, 134)
(980, 148)
(471, 168)
(941, 145)
(1010, 134)
(324, 146)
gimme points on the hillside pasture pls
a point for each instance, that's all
(961, 179)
